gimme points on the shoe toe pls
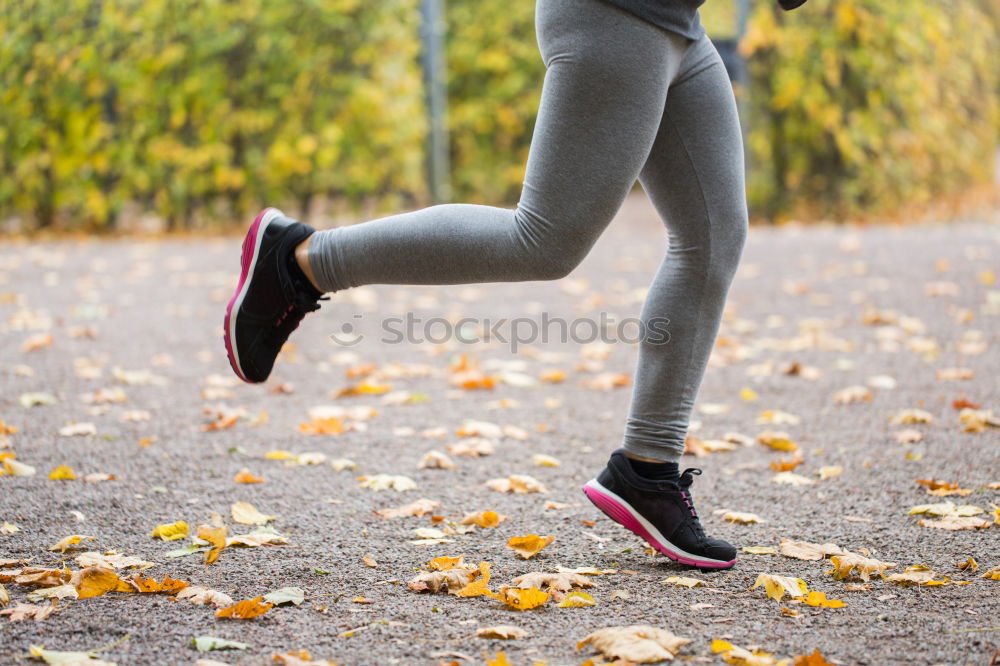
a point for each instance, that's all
(718, 549)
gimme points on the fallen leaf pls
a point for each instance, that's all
(484, 519)
(786, 465)
(387, 482)
(473, 447)
(78, 430)
(732, 654)
(803, 550)
(340, 464)
(777, 587)
(606, 381)
(244, 476)
(943, 488)
(206, 643)
(522, 599)
(21, 611)
(682, 581)
(517, 483)
(171, 531)
(992, 574)
(577, 599)
(542, 460)
(641, 644)
(369, 561)
(435, 460)
(97, 581)
(530, 545)
(502, 631)
(844, 565)
(852, 394)
(216, 537)
(829, 471)
(417, 508)
(322, 426)
(742, 518)
(246, 514)
(908, 416)
(245, 610)
(444, 563)
(814, 659)
(150, 586)
(300, 658)
(760, 550)
(66, 543)
(60, 658)
(560, 582)
(818, 599)
(968, 565)
(451, 580)
(62, 473)
(779, 441)
(791, 479)
(916, 575)
(201, 596)
(262, 536)
(945, 509)
(956, 523)
(286, 595)
(479, 585)
(58, 592)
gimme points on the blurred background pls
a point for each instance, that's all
(155, 115)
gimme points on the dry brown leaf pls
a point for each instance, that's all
(530, 545)
(956, 523)
(517, 483)
(473, 447)
(909, 416)
(40, 577)
(451, 580)
(246, 514)
(682, 581)
(22, 611)
(803, 550)
(561, 582)
(435, 460)
(502, 631)
(843, 565)
(641, 644)
(417, 508)
(943, 488)
(245, 610)
(202, 595)
(387, 482)
(852, 394)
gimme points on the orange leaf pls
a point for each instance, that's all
(814, 659)
(215, 536)
(484, 519)
(95, 581)
(245, 610)
(244, 476)
(150, 586)
(530, 545)
(327, 426)
(786, 465)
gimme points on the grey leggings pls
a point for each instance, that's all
(622, 100)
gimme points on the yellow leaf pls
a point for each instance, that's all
(279, 455)
(522, 599)
(576, 599)
(171, 531)
(499, 660)
(246, 514)
(742, 518)
(748, 394)
(502, 632)
(480, 586)
(681, 581)
(779, 441)
(322, 426)
(818, 599)
(444, 563)
(541, 460)
(68, 542)
(992, 574)
(62, 473)
(245, 610)
(843, 565)
(216, 536)
(530, 545)
(778, 586)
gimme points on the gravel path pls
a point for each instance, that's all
(813, 311)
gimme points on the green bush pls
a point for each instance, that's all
(195, 107)
(866, 107)
(494, 83)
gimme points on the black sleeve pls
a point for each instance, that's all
(788, 5)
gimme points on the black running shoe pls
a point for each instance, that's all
(269, 301)
(659, 512)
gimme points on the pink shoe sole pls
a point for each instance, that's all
(619, 511)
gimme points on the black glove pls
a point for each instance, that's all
(789, 5)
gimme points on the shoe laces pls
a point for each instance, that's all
(687, 478)
(301, 305)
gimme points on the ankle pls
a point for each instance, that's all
(302, 260)
(654, 470)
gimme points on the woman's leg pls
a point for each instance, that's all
(694, 176)
(602, 103)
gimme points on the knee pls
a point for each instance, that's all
(551, 250)
(729, 235)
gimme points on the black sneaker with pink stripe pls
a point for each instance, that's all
(271, 297)
(660, 512)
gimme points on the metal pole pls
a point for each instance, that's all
(432, 31)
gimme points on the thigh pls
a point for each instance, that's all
(602, 101)
(694, 174)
